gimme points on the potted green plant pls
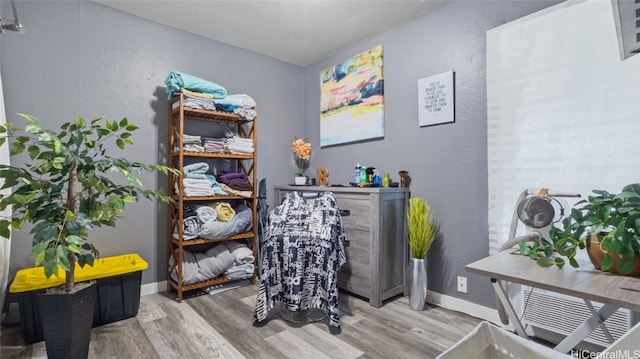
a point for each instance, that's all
(70, 188)
(606, 224)
(422, 232)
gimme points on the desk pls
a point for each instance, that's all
(614, 291)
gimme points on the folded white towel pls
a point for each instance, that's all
(241, 140)
(235, 148)
(198, 192)
(197, 182)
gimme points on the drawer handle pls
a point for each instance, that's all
(345, 212)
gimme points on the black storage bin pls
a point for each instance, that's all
(118, 296)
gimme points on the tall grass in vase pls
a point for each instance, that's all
(423, 231)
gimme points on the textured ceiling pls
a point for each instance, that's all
(300, 32)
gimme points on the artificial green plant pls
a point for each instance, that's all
(422, 228)
(70, 187)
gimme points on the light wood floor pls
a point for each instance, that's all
(220, 326)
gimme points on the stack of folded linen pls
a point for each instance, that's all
(192, 143)
(215, 144)
(240, 271)
(202, 94)
(197, 267)
(197, 182)
(198, 100)
(240, 104)
(240, 145)
(243, 259)
(194, 187)
(235, 180)
(177, 81)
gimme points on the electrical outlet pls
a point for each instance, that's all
(462, 284)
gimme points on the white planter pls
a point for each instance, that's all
(300, 180)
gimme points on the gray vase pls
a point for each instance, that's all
(417, 283)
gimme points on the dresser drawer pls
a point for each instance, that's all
(355, 211)
(355, 275)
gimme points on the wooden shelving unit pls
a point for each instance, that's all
(214, 122)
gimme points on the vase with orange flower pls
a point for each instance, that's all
(302, 155)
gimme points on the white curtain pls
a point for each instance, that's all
(5, 245)
(562, 108)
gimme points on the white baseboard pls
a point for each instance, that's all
(152, 288)
(469, 308)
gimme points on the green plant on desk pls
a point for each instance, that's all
(614, 218)
(562, 242)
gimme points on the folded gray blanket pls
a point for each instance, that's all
(241, 222)
(189, 268)
(241, 253)
(198, 267)
(213, 262)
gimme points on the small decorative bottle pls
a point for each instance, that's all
(363, 174)
(376, 178)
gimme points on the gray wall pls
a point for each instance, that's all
(81, 58)
(84, 58)
(447, 163)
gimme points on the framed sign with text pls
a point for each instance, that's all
(436, 99)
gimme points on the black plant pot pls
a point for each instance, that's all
(66, 322)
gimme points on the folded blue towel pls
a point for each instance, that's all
(177, 80)
(196, 170)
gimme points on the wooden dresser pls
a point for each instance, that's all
(377, 251)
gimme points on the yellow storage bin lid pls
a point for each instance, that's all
(33, 278)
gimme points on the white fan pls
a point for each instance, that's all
(538, 209)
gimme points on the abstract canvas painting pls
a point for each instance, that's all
(352, 99)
